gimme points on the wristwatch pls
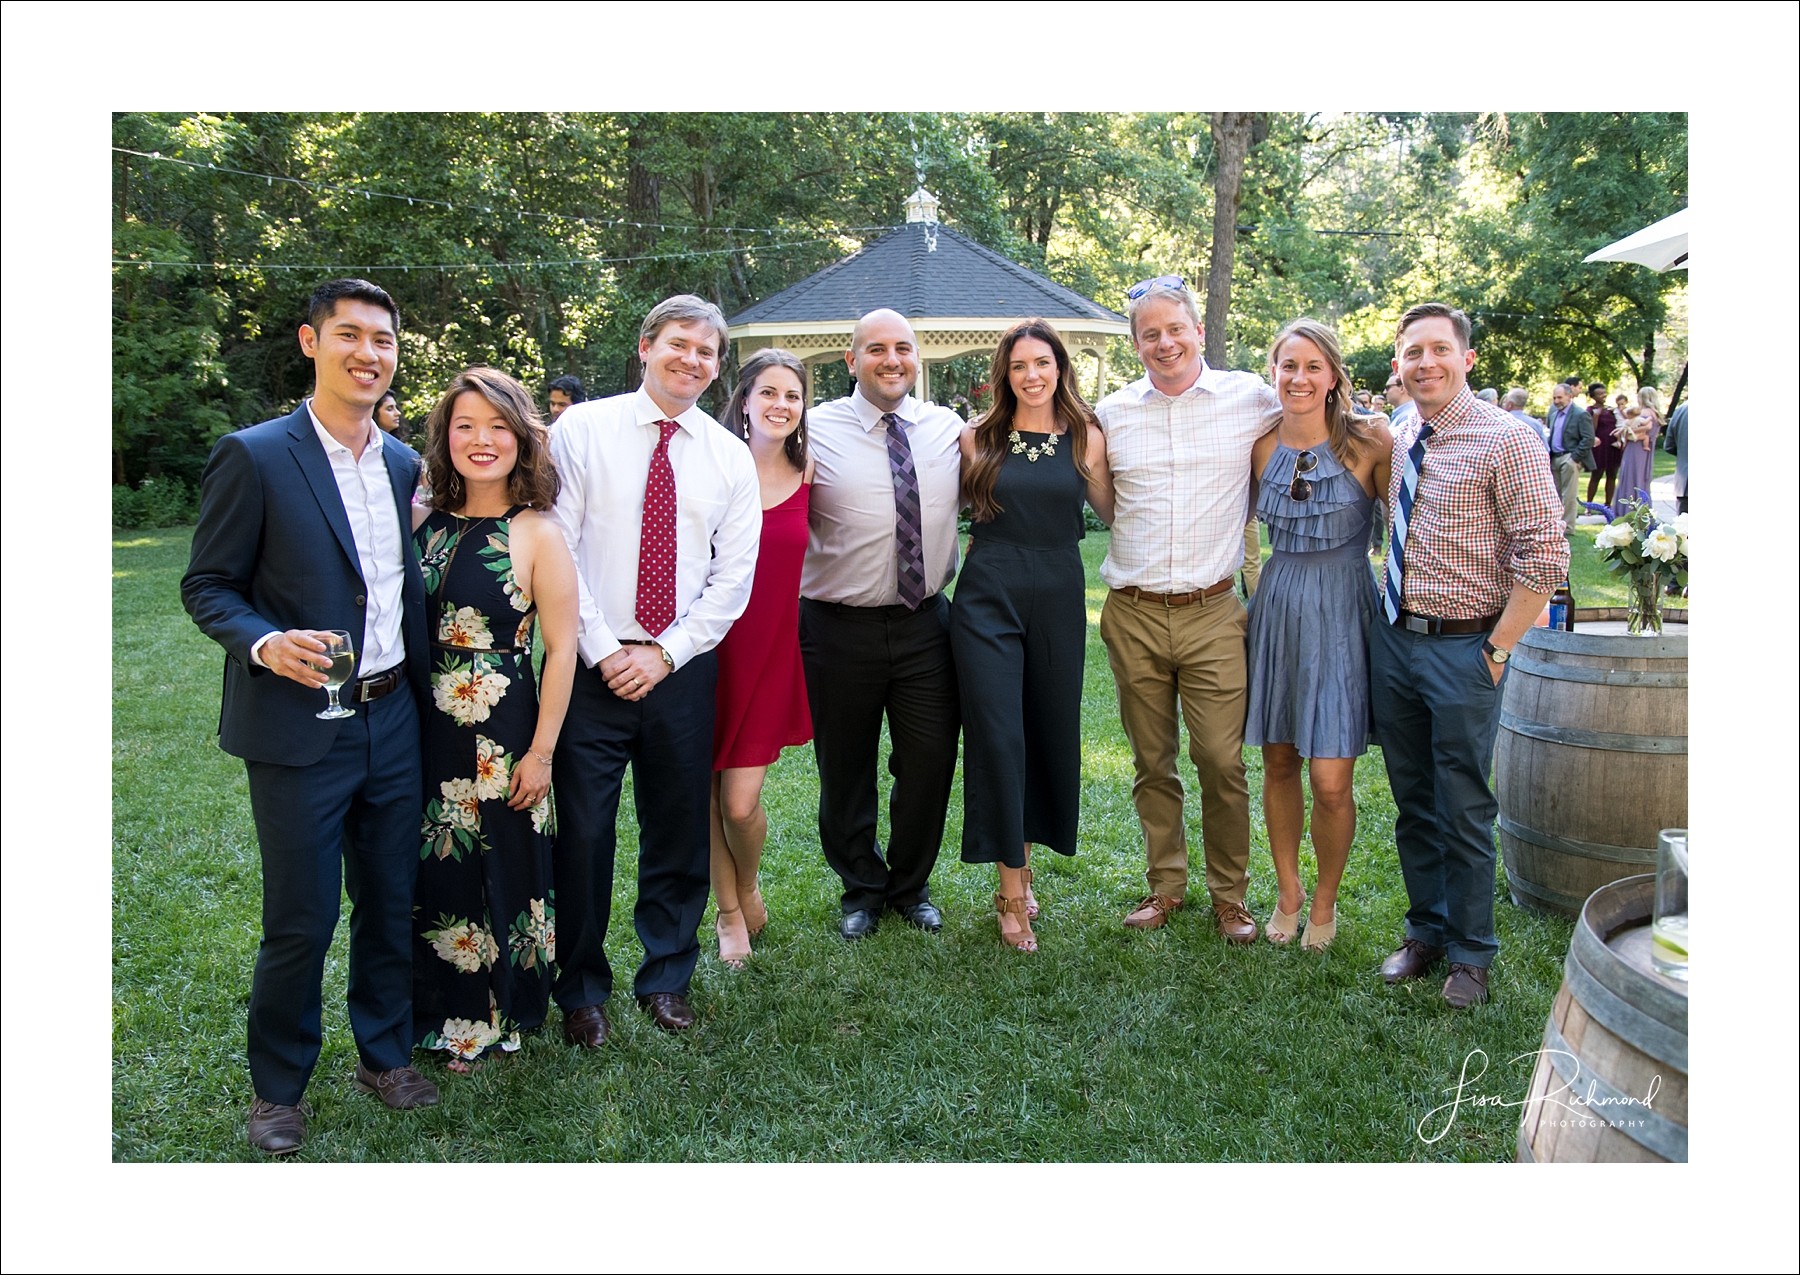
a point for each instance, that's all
(1497, 654)
(670, 659)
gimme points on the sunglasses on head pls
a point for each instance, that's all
(1173, 282)
(1300, 489)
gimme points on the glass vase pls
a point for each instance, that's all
(1645, 616)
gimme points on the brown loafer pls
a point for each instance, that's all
(1466, 986)
(274, 1128)
(1413, 960)
(402, 1088)
(1153, 912)
(587, 1027)
(1235, 921)
(668, 1010)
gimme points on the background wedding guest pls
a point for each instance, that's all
(659, 507)
(1675, 442)
(387, 416)
(1606, 451)
(1478, 546)
(562, 394)
(1319, 474)
(874, 625)
(1571, 448)
(495, 567)
(1514, 405)
(1178, 444)
(1019, 627)
(761, 700)
(279, 559)
(1637, 444)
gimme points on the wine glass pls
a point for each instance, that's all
(343, 663)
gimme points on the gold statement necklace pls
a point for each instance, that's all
(1032, 453)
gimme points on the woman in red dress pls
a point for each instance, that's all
(762, 706)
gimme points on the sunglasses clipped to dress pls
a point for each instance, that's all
(1301, 489)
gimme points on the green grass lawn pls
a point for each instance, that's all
(1106, 1045)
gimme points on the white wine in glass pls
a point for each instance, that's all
(343, 663)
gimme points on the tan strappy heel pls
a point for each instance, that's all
(1024, 940)
(1282, 926)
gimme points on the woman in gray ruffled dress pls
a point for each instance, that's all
(1318, 475)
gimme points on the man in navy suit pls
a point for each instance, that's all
(305, 525)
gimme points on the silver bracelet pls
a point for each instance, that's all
(545, 760)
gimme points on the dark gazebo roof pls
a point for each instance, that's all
(959, 278)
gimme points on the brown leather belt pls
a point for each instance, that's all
(1177, 599)
(385, 682)
(1431, 625)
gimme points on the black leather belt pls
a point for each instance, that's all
(383, 683)
(1433, 626)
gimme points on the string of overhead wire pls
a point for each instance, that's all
(470, 205)
(445, 267)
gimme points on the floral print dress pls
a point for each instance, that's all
(484, 912)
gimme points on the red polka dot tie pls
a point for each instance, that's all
(656, 543)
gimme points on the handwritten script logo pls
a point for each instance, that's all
(1567, 1095)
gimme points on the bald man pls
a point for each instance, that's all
(875, 626)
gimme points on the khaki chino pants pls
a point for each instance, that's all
(1193, 655)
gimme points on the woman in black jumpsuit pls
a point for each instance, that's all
(1018, 627)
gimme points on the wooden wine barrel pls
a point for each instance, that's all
(1610, 1081)
(1591, 759)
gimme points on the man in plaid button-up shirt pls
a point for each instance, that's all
(1483, 549)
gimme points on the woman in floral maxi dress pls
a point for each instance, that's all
(484, 916)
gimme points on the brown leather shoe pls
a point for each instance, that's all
(276, 1129)
(1153, 912)
(402, 1088)
(587, 1027)
(1413, 960)
(1466, 986)
(1235, 921)
(668, 1010)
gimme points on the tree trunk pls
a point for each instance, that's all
(1647, 373)
(643, 203)
(1232, 138)
(1680, 385)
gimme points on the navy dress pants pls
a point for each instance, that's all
(1436, 711)
(348, 822)
(666, 738)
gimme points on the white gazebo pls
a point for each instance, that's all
(958, 295)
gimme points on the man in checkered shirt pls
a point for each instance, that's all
(1478, 547)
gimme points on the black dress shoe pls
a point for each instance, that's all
(923, 915)
(858, 924)
(586, 1026)
(668, 1010)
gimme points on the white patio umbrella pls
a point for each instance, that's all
(1661, 246)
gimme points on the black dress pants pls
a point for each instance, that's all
(861, 663)
(349, 822)
(666, 737)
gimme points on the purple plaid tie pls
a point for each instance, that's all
(909, 528)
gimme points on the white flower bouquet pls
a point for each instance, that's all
(1649, 554)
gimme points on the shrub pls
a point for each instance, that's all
(158, 502)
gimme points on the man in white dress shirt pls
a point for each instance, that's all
(1179, 445)
(306, 527)
(875, 627)
(660, 507)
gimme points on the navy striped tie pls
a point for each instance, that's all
(909, 526)
(1409, 490)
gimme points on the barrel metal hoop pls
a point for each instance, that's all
(1668, 647)
(1581, 849)
(1643, 1126)
(1544, 892)
(1642, 1031)
(1597, 676)
(1665, 1005)
(1606, 741)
